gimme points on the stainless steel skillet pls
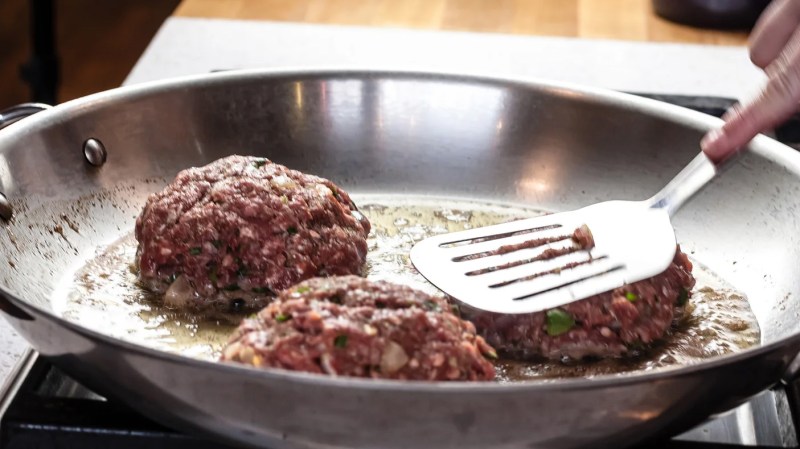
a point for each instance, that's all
(528, 142)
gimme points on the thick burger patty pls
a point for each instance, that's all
(350, 326)
(613, 324)
(231, 233)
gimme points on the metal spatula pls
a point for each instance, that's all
(539, 263)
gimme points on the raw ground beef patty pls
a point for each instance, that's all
(229, 234)
(613, 324)
(351, 326)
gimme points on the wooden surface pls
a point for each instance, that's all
(612, 19)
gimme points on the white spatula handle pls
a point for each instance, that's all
(689, 182)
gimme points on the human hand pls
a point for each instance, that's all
(774, 47)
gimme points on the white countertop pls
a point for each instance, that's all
(185, 46)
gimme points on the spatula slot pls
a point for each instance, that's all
(547, 254)
(486, 238)
(505, 249)
(571, 282)
(554, 271)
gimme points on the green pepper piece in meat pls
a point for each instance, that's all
(683, 297)
(212, 275)
(340, 341)
(558, 322)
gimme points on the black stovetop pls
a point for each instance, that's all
(50, 410)
(46, 409)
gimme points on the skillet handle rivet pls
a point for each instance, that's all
(95, 152)
(5, 208)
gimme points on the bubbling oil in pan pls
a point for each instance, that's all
(103, 295)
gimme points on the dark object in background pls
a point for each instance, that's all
(720, 14)
(788, 132)
(42, 70)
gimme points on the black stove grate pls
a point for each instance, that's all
(52, 411)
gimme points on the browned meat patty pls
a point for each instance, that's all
(350, 326)
(617, 323)
(229, 234)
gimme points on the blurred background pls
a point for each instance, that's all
(97, 42)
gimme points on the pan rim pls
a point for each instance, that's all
(761, 145)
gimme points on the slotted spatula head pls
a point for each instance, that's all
(535, 264)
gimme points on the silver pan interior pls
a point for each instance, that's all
(530, 143)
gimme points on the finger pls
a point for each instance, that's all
(775, 103)
(773, 30)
